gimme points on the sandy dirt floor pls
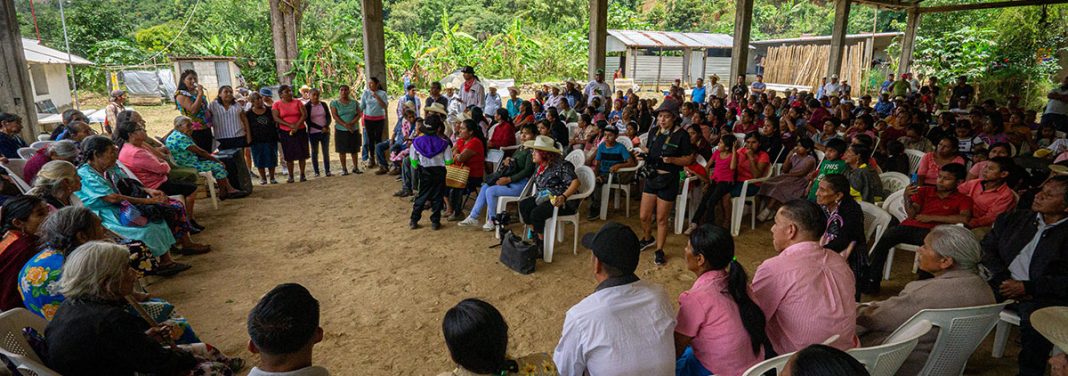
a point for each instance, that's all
(383, 288)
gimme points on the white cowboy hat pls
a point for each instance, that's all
(543, 143)
(1052, 323)
(438, 108)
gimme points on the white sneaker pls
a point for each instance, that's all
(468, 222)
(764, 215)
(488, 226)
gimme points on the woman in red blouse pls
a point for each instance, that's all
(470, 152)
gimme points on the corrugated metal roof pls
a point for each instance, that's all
(670, 39)
(825, 38)
(36, 53)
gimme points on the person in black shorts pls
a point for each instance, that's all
(668, 151)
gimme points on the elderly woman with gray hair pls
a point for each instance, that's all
(92, 334)
(949, 252)
(57, 151)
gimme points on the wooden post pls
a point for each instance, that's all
(598, 37)
(687, 55)
(704, 63)
(659, 67)
(908, 41)
(634, 64)
(285, 24)
(743, 20)
(374, 41)
(838, 37)
(15, 94)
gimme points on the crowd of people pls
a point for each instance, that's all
(986, 207)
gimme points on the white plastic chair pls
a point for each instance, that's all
(517, 143)
(895, 205)
(18, 167)
(626, 142)
(209, 180)
(577, 158)
(1006, 320)
(27, 152)
(553, 233)
(572, 128)
(503, 201)
(961, 330)
(876, 221)
(688, 199)
(131, 175)
(44, 137)
(914, 159)
(14, 170)
(643, 139)
(777, 363)
(613, 184)
(14, 346)
(894, 181)
(41, 144)
(738, 203)
(819, 156)
(886, 359)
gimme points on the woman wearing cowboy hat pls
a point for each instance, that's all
(556, 180)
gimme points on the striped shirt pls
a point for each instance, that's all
(226, 121)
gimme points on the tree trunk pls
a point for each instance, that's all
(285, 25)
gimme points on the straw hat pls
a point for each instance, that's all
(1052, 323)
(437, 108)
(543, 143)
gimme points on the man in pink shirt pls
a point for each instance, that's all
(806, 292)
(990, 195)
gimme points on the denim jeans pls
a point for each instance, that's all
(487, 197)
(406, 175)
(380, 153)
(363, 150)
(317, 140)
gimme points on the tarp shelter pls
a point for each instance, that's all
(640, 62)
(146, 83)
(48, 74)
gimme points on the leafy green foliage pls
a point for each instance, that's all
(528, 40)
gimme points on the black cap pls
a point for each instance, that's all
(601, 124)
(615, 245)
(670, 106)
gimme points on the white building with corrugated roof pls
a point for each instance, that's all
(49, 76)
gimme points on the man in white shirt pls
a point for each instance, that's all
(554, 97)
(1057, 107)
(715, 88)
(493, 102)
(626, 327)
(597, 88)
(832, 88)
(471, 91)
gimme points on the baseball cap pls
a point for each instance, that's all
(266, 91)
(615, 245)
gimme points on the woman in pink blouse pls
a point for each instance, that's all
(945, 153)
(720, 329)
(149, 166)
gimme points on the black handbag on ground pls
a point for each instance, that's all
(518, 254)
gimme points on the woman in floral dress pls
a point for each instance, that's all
(61, 233)
(186, 153)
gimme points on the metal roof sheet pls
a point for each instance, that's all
(36, 53)
(671, 39)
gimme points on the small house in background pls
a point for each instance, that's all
(48, 76)
(640, 55)
(212, 71)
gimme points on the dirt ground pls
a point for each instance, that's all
(383, 289)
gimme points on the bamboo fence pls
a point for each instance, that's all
(806, 64)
